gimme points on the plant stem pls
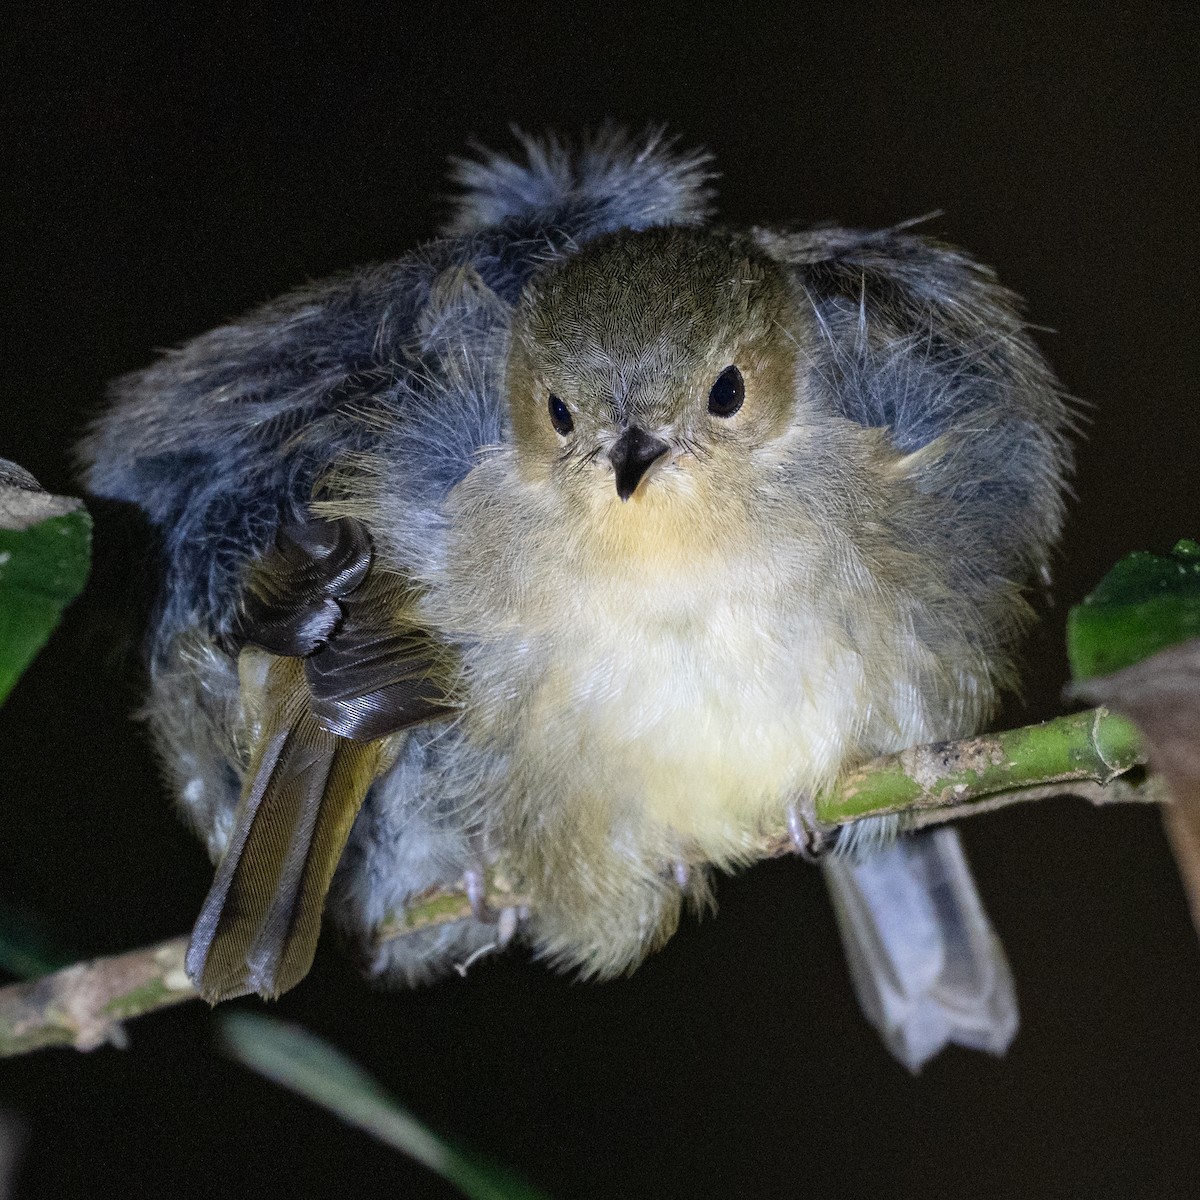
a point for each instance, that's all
(1095, 746)
(83, 1005)
(1081, 754)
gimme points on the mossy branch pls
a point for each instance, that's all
(83, 1005)
(1083, 754)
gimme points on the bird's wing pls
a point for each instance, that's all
(915, 337)
(348, 663)
(925, 963)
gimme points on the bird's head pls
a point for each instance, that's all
(652, 363)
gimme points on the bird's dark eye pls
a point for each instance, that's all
(560, 416)
(727, 393)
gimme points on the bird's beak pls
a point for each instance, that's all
(634, 454)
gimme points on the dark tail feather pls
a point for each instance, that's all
(259, 926)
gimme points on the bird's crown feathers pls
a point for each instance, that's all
(628, 181)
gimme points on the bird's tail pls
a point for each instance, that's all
(926, 964)
(258, 929)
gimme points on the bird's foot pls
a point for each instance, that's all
(507, 924)
(810, 839)
(475, 885)
(507, 921)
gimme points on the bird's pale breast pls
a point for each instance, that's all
(698, 681)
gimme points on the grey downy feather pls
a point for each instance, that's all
(927, 967)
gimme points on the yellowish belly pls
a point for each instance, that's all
(684, 664)
(706, 713)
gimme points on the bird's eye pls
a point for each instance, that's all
(560, 416)
(727, 393)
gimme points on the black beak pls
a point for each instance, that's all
(633, 455)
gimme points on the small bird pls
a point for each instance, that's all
(589, 542)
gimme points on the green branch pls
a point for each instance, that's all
(1082, 754)
(1094, 746)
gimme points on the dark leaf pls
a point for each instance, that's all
(1145, 603)
(45, 549)
(1161, 695)
(303, 1063)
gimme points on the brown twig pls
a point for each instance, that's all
(83, 1005)
(1082, 755)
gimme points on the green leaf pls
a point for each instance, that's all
(1144, 604)
(45, 549)
(300, 1061)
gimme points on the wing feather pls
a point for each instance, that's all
(356, 666)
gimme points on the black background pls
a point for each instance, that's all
(167, 172)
